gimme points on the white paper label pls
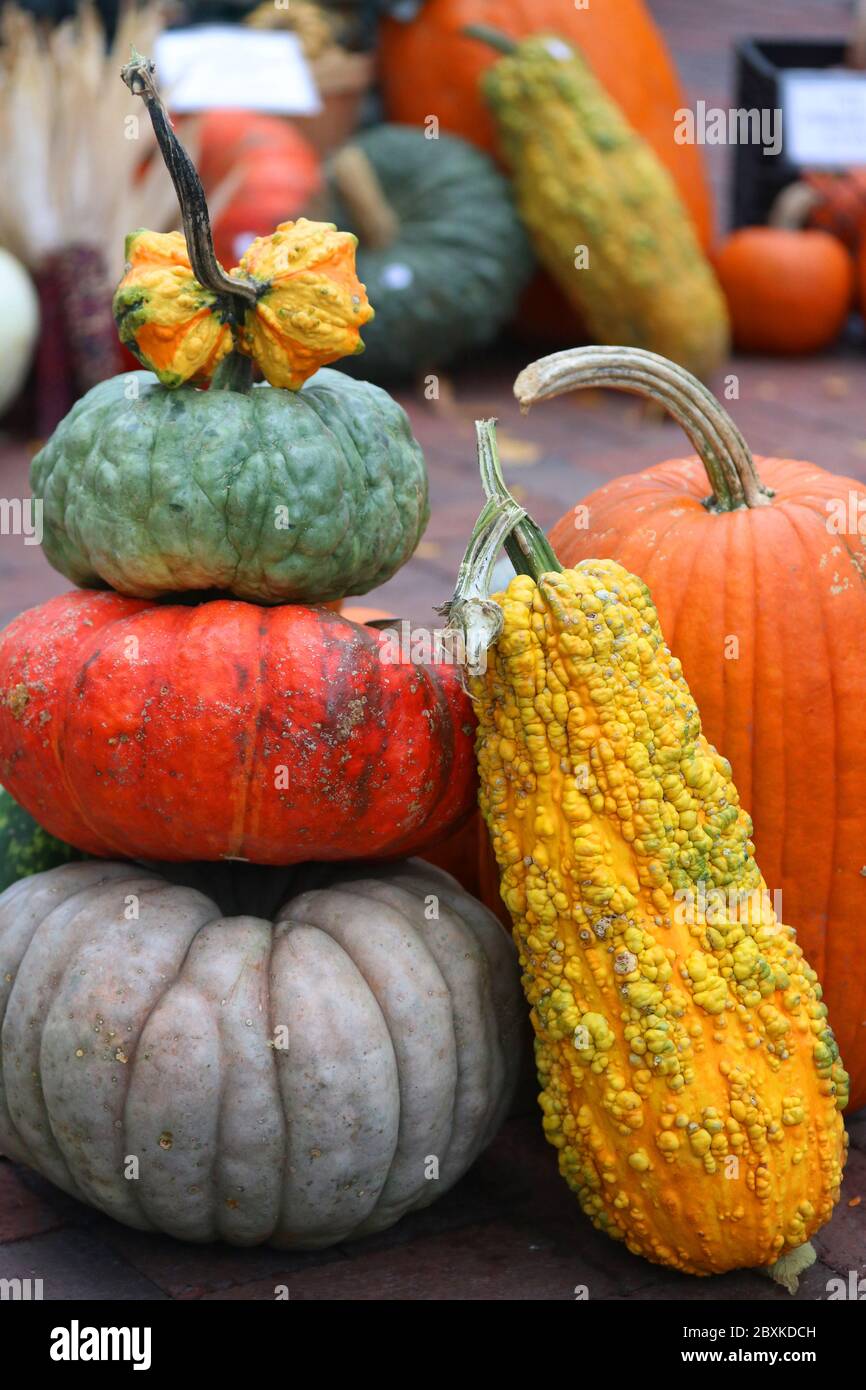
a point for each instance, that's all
(222, 65)
(824, 118)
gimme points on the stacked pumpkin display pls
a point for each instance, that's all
(291, 1048)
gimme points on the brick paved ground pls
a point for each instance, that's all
(510, 1230)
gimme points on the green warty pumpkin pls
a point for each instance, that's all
(273, 496)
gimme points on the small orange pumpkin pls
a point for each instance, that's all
(788, 291)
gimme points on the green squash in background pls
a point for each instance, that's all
(441, 248)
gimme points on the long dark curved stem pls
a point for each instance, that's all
(138, 74)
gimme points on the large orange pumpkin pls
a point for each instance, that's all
(430, 68)
(762, 595)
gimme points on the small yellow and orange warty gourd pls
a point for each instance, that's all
(169, 321)
(293, 305)
(310, 304)
(306, 306)
(690, 1081)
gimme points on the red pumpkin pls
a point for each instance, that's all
(838, 204)
(764, 601)
(226, 730)
(280, 173)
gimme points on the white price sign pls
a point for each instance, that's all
(824, 118)
(223, 65)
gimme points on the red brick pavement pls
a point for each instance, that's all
(509, 1230)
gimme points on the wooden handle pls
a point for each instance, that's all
(358, 185)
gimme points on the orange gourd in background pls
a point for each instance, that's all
(279, 172)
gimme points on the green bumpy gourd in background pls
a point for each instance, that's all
(25, 848)
(269, 495)
(453, 273)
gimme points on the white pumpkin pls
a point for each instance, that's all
(19, 314)
(299, 1081)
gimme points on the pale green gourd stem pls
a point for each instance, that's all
(473, 616)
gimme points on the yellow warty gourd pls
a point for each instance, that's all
(690, 1082)
(605, 217)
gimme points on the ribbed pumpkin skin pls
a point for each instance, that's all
(159, 1037)
(790, 709)
(452, 278)
(841, 204)
(25, 848)
(172, 492)
(585, 179)
(431, 66)
(226, 730)
(690, 1081)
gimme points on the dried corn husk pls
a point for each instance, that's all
(73, 139)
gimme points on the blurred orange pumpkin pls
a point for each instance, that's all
(838, 204)
(788, 291)
(279, 174)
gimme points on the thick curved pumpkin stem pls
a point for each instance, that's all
(722, 449)
(138, 74)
